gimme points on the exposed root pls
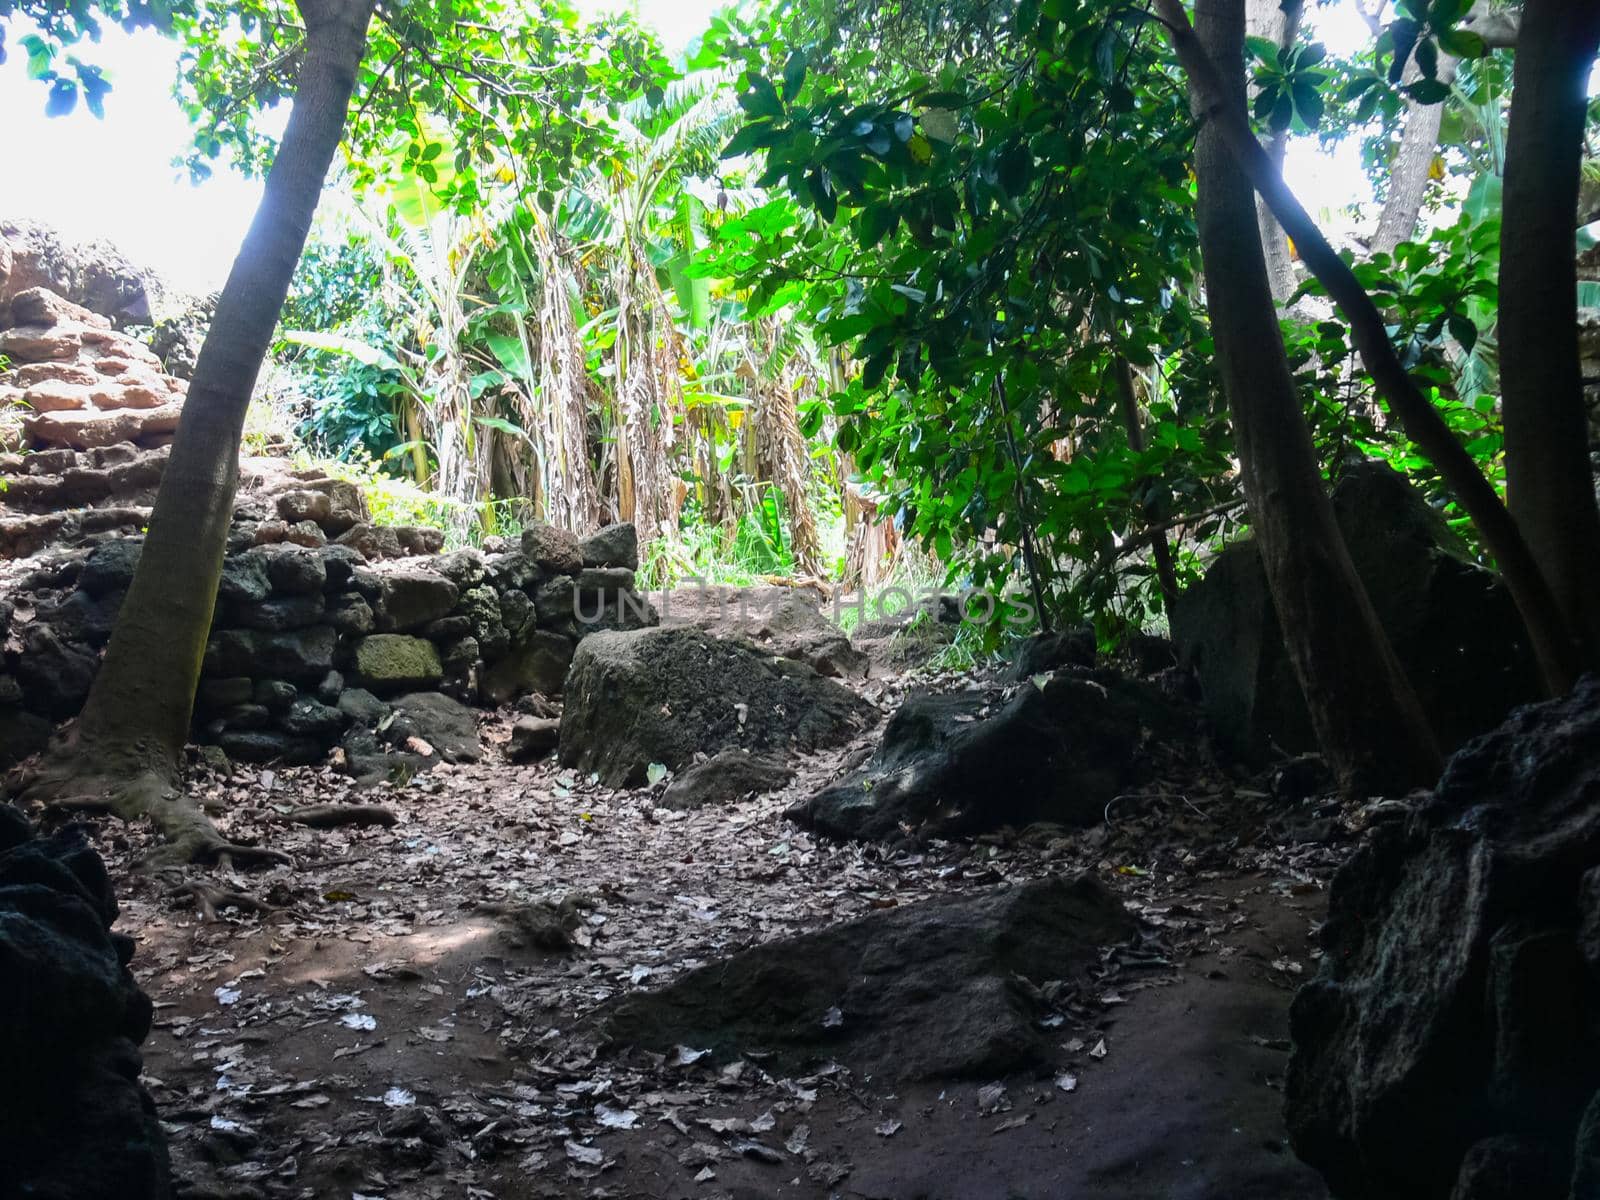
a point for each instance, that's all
(331, 816)
(212, 900)
(76, 778)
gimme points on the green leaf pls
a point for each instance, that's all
(794, 74)
(1263, 50)
(1463, 43)
(655, 773)
(1428, 91)
(1464, 331)
(1308, 104)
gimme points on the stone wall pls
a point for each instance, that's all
(306, 640)
(321, 614)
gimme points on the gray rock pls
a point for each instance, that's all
(362, 707)
(613, 546)
(413, 596)
(312, 718)
(447, 629)
(395, 662)
(281, 612)
(555, 605)
(331, 687)
(962, 763)
(785, 620)
(274, 694)
(246, 716)
(244, 579)
(74, 1121)
(445, 724)
(464, 567)
(372, 542)
(661, 695)
(339, 563)
(55, 675)
(300, 655)
(481, 607)
(351, 615)
(1452, 1010)
(551, 549)
(294, 570)
(346, 505)
(217, 694)
(460, 657)
(110, 566)
(304, 506)
(267, 745)
(725, 778)
(1452, 624)
(419, 539)
(533, 738)
(22, 735)
(84, 618)
(516, 614)
(605, 579)
(538, 665)
(927, 991)
(10, 691)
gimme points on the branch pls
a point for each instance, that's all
(1547, 628)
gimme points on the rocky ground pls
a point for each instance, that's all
(418, 1009)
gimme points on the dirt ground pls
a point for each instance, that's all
(391, 1024)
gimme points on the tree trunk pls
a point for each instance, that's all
(1279, 22)
(1160, 551)
(124, 749)
(1549, 480)
(1367, 717)
(1408, 177)
(1560, 656)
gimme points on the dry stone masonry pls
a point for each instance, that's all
(328, 627)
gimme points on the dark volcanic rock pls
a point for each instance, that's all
(538, 665)
(74, 1122)
(660, 695)
(1453, 1035)
(110, 566)
(613, 546)
(55, 675)
(22, 735)
(533, 738)
(551, 549)
(1453, 625)
(928, 991)
(964, 763)
(445, 724)
(726, 778)
(301, 655)
(786, 620)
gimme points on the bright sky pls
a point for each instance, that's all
(112, 178)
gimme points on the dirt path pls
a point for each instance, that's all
(378, 1034)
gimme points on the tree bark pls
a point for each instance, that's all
(1160, 551)
(1408, 177)
(1549, 479)
(1367, 717)
(1279, 22)
(1561, 657)
(126, 743)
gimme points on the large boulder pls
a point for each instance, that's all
(786, 620)
(660, 695)
(413, 596)
(75, 1124)
(1452, 624)
(613, 546)
(928, 991)
(1453, 1031)
(962, 763)
(446, 725)
(301, 655)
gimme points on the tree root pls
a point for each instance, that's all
(331, 816)
(76, 778)
(211, 900)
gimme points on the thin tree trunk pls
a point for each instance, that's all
(126, 743)
(1408, 177)
(1128, 399)
(1560, 657)
(1367, 717)
(1279, 22)
(1549, 480)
